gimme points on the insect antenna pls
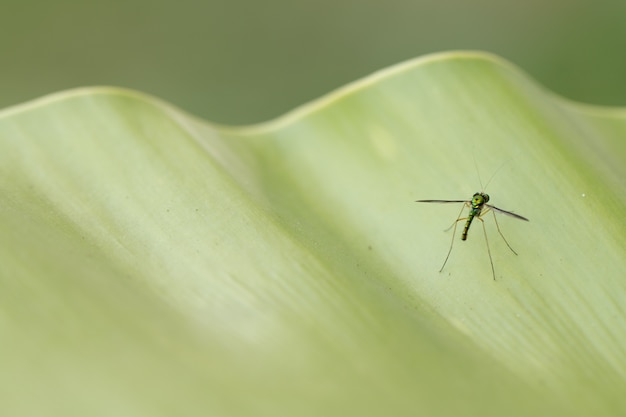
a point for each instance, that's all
(494, 174)
(484, 187)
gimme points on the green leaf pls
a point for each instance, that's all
(156, 264)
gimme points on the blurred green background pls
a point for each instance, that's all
(246, 61)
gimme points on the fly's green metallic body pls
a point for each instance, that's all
(478, 207)
(478, 201)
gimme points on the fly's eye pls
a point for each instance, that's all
(486, 197)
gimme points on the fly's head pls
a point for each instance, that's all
(479, 199)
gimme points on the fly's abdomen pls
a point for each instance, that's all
(467, 226)
(473, 213)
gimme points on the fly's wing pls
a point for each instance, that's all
(441, 201)
(508, 213)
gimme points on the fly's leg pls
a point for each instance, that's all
(493, 271)
(459, 218)
(498, 227)
(468, 205)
